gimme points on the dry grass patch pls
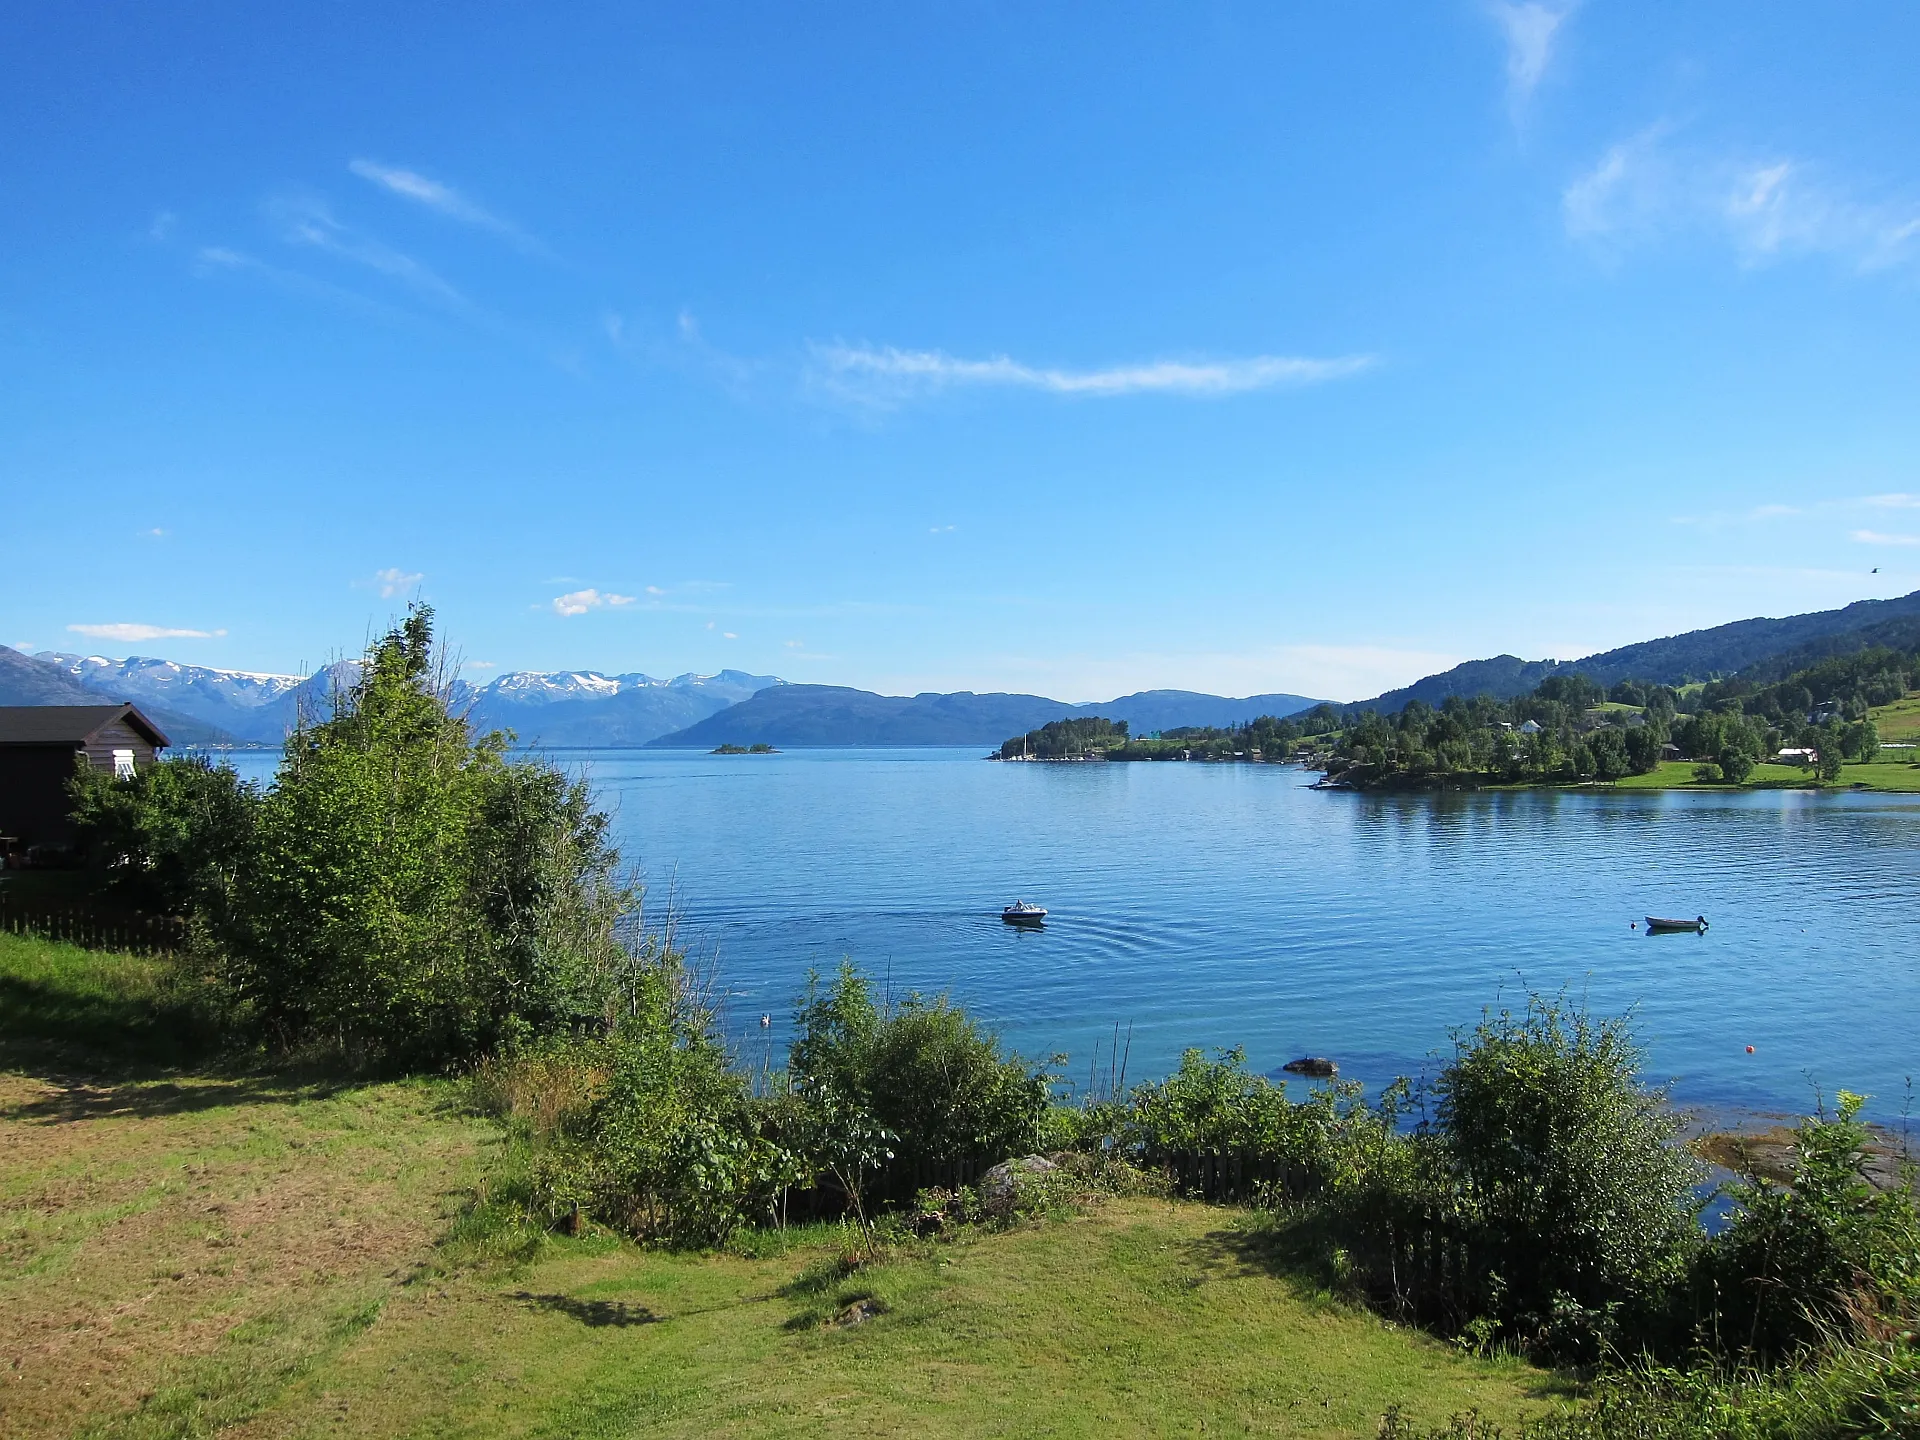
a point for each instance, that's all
(147, 1225)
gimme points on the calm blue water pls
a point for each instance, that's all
(1218, 905)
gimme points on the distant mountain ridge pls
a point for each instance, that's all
(1760, 646)
(198, 704)
(25, 680)
(837, 715)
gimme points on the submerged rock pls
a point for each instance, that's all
(1318, 1066)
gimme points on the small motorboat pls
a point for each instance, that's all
(1021, 913)
(1656, 924)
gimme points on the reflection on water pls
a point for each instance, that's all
(1221, 905)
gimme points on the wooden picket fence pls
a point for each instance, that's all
(93, 927)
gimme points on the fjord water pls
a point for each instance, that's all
(1218, 905)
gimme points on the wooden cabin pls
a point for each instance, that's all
(38, 744)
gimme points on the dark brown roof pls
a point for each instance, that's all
(69, 724)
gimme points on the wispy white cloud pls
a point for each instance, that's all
(395, 581)
(1645, 188)
(1893, 502)
(123, 630)
(941, 529)
(1530, 30)
(1876, 537)
(579, 602)
(162, 226)
(439, 196)
(885, 376)
(728, 635)
(307, 221)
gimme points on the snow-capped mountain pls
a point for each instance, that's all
(143, 677)
(244, 704)
(585, 707)
(559, 708)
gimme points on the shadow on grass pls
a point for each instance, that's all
(1295, 1251)
(95, 1096)
(598, 1314)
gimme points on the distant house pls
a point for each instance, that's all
(1532, 727)
(1797, 755)
(38, 744)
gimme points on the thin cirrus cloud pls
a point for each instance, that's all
(1877, 537)
(307, 221)
(885, 376)
(123, 630)
(579, 602)
(438, 196)
(1646, 188)
(1530, 30)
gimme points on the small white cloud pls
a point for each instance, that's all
(1876, 537)
(162, 226)
(481, 665)
(123, 630)
(1893, 502)
(940, 530)
(25, 647)
(728, 635)
(794, 644)
(709, 624)
(579, 602)
(156, 533)
(1530, 30)
(394, 581)
(655, 590)
(884, 376)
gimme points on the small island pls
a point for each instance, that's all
(759, 747)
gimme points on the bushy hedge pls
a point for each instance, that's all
(403, 892)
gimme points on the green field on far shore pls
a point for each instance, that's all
(1900, 775)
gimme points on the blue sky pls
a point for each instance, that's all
(1074, 349)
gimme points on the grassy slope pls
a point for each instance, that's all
(1678, 775)
(1898, 721)
(187, 1254)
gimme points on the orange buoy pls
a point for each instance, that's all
(1749, 1049)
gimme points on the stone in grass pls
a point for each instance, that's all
(997, 1186)
(1317, 1066)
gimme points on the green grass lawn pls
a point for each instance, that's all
(258, 1254)
(1678, 775)
(1898, 721)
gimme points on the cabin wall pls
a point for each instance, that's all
(35, 808)
(118, 735)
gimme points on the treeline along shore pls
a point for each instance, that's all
(409, 898)
(1820, 725)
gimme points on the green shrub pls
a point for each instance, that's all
(1213, 1111)
(170, 836)
(649, 1129)
(1827, 1258)
(1575, 1198)
(410, 895)
(925, 1072)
